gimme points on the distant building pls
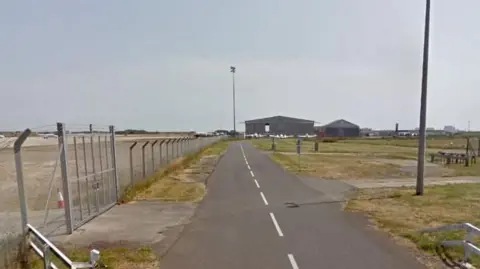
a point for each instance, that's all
(449, 129)
(279, 125)
(340, 128)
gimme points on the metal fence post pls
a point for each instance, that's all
(132, 177)
(182, 143)
(86, 174)
(95, 184)
(17, 149)
(153, 155)
(113, 153)
(100, 159)
(166, 147)
(173, 149)
(77, 173)
(176, 147)
(63, 143)
(179, 153)
(160, 152)
(143, 159)
(185, 145)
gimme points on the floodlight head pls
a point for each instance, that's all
(232, 69)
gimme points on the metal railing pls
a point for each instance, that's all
(44, 248)
(468, 247)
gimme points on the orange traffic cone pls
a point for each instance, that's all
(60, 201)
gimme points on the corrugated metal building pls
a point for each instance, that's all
(340, 128)
(280, 125)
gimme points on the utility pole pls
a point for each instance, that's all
(232, 69)
(423, 104)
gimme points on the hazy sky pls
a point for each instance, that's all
(164, 65)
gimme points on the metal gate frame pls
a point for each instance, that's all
(75, 217)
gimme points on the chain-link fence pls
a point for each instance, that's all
(58, 177)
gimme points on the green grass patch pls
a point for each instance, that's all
(114, 258)
(401, 213)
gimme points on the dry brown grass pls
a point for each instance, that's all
(339, 166)
(187, 184)
(432, 142)
(172, 190)
(114, 258)
(406, 146)
(402, 214)
(170, 185)
(366, 158)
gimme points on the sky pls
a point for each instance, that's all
(165, 65)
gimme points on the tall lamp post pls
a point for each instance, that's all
(423, 104)
(232, 69)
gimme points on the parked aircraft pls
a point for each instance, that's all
(47, 136)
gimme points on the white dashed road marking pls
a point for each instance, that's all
(291, 258)
(264, 199)
(275, 223)
(292, 261)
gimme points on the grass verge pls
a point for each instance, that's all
(404, 146)
(339, 166)
(402, 214)
(114, 258)
(461, 170)
(166, 188)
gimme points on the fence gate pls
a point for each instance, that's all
(89, 173)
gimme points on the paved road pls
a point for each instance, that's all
(243, 223)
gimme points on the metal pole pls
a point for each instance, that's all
(178, 147)
(132, 178)
(160, 153)
(78, 177)
(166, 148)
(143, 159)
(232, 69)
(101, 170)
(113, 153)
(423, 104)
(86, 174)
(17, 149)
(95, 184)
(63, 143)
(153, 155)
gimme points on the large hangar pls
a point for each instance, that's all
(340, 128)
(280, 125)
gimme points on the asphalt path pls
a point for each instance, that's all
(244, 222)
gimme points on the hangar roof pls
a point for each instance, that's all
(277, 119)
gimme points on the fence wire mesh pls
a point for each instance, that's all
(70, 174)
